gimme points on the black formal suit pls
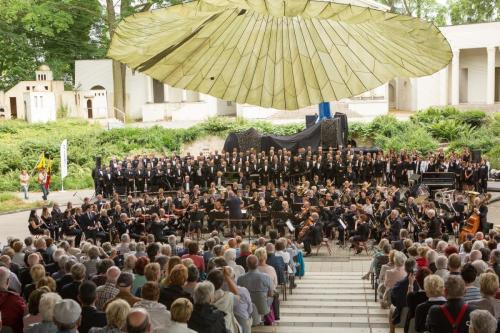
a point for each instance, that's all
(91, 317)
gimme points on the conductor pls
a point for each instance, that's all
(233, 205)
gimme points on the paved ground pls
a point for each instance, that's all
(16, 224)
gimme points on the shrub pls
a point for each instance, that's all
(474, 118)
(448, 129)
(434, 114)
(412, 137)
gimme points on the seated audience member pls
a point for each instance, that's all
(263, 267)
(12, 306)
(434, 290)
(224, 300)
(442, 267)
(176, 279)
(454, 264)
(116, 317)
(67, 315)
(398, 293)
(472, 292)
(46, 308)
(124, 284)
(181, 310)
(488, 288)
(206, 318)
(415, 297)
(193, 254)
(138, 321)
(34, 316)
(453, 315)
(230, 257)
(108, 291)
(91, 317)
(37, 272)
(244, 253)
(482, 321)
(258, 284)
(495, 261)
(158, 313)
(102, 267)
(70, 290)
(139, 277)
(192, 279)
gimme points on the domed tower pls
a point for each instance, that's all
(43, 73)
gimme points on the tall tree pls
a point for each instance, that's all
(429, 10)
(113, 16)
(474, 11)
(46, 31)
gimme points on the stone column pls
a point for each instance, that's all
(443, 86)
(490, 76)
(149, 89)
(455, 78)
(174, 95)
(192, 96)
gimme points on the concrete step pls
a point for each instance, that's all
(288, 329)
(333, 312)
(329, 297)
(336, 321)
(330, 304)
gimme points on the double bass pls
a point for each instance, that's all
(471, 226)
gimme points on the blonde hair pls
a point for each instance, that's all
(178, 275)
(152, 271)
(46, 305)
(116, 313)
(434, 286)
(181, 310)
(488, 283)
(37, 272)
(261, 254)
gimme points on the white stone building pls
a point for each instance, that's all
(41, 99)
(471, 80)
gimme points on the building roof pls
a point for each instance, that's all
(44, 68)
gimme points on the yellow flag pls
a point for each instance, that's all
(49, 166)
(41, 162)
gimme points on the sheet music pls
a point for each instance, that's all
(342, 224)
(290, 225)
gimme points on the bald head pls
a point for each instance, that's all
(4, 277)
(252, 262)
(112, 274)
(138, 321)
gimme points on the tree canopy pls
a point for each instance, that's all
(58, 32)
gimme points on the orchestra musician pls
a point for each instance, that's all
(361, 233)
(310, 233)
(262, 218)
(35, 224)
(480, 208)
(395, 225)
(70, 227)
(434, 224)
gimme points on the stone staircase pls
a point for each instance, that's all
(335, 301)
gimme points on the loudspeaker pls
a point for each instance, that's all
(311, 120)
(343, 127)
(476, 156)
(98, 162)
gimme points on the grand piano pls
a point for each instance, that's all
(439, 180)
